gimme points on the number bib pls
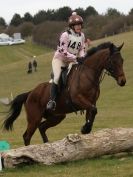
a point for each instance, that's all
(74, 44)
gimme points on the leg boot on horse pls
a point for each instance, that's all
(51, 105)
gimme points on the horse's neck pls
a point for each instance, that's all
(97, 61)
(91, 70)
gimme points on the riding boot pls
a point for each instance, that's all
(51, 105)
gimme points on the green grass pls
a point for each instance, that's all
(15, 53)
(93, 168)
(114, 110)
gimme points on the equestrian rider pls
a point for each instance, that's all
(71, 46)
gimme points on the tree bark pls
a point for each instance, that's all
(72, 148)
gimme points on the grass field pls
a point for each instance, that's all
(114, 110)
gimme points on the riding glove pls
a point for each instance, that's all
(80, 60)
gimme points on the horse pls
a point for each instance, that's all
(80, 93)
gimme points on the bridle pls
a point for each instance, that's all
(109, 68)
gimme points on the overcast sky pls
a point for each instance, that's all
(9, 7)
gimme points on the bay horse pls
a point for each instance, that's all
(81, 93)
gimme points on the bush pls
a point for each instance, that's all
(26, 29)
(48, 33)
(114, 26)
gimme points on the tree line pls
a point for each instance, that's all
(45, 26)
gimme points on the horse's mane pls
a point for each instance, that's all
(93, 50)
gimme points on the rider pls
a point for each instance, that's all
(71, 47)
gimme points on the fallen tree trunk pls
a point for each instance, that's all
(73, 147)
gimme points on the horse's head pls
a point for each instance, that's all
(114, 64)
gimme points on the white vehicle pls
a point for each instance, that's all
(4, 39)
(17, 41)
(4, 42)
(7, 40)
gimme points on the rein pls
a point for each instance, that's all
(101, 77)
(108, 69)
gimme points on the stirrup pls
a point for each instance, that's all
(51, 105)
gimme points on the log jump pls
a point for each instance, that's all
(73, 147)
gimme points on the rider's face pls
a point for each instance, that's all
(77, 28)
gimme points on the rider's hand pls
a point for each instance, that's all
(80, 60)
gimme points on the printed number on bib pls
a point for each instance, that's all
(74, 45)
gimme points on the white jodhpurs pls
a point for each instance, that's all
(56, 66)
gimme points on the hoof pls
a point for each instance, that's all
(85, 129)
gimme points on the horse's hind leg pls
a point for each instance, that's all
(50, 122)
(34, 118)
(28, 133)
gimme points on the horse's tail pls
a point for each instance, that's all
(15, 109)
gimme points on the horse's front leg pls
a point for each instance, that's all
(90, 116)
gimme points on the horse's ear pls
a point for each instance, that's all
(120, 47)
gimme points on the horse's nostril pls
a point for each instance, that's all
(122, 83)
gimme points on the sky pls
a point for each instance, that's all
(9, 7)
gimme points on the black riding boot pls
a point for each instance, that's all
(51, 105)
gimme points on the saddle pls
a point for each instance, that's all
(64, 76)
